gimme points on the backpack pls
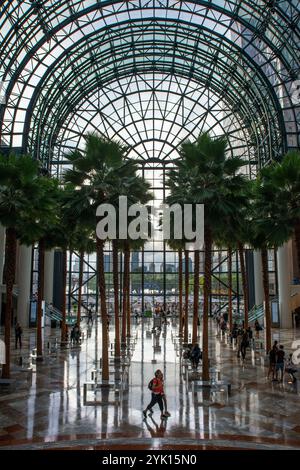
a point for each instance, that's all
(150, 385)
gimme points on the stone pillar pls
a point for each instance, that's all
(48, 280)
(24, 284)
(258, 280)
(284, 264)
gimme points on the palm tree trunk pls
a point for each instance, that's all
(207, 289)
(124, 299)
(81, 260)
(180, 285)
(128, 313)
(116, 298)
(64, 290)
(230, 287)
(244, 282)
(186, 307)
(41, 274)
(10, 268)
(196, 295)
(264, 260)
(102, 290)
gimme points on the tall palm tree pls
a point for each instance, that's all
(271, 227)
(206, 176)
(96, 173)
(42, 229)
(285, 176)
(19, 196)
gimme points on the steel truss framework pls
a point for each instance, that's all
(150, 73)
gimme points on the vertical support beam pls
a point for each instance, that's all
(24, 284)
(284, 283)
(258, 282)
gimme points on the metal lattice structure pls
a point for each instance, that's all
(150, 73)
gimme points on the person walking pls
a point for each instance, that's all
(18, 335)
(157, 389)
(257, 328)
(195, 355)
(244, 344)
(272, 360)
(90, 317)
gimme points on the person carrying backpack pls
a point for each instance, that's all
(157, 389)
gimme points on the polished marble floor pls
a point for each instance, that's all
(48, 409)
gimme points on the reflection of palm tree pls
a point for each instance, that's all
(157, 430)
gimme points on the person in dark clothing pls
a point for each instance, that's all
(18, 335)
(244, 344)
(272, 359)
(258, 328)
(234, 333)
(196, 355)
(90, 317)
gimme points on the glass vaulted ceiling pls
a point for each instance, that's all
(150, 73)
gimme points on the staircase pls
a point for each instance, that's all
(256, 313)
(56, 315)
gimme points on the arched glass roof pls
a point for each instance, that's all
(150, 73)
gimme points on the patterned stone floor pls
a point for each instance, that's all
(48, 410)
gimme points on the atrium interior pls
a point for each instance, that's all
(165, 102)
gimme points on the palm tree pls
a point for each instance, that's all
(96, 173)
(41, 227)
(285, 176)
(19, 196)
(207, 177)
(271, 227)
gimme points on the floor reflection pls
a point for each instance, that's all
(50, 411)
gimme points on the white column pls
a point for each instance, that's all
(48, 280)
(284, 285)
(258, 280)
(24, 280)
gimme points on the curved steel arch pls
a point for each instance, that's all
(266, 30)
(139, 118)
(79, 70)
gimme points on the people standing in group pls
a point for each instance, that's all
(18, 335)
